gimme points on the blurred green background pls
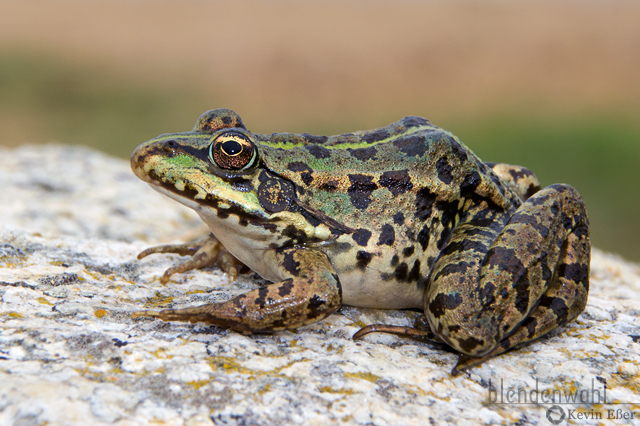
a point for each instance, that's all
(553, 86)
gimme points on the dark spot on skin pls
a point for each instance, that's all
(398, 218)
(469, 344)
(469, 184)
(424, 204)
(444, 238)
(314, 307)
(360, 190)
(395, 260)
(444, 171)
(375, 136)
(458, 150)
(398, 182)
(401, 271)
(412, 121)
(317, 151)
(531, 190)
(557, 305)
(518, 174)
(443, 303)
(296, 235)
(285, 288)
(522, 288)
(306, 178)
(487, 294)
(362, 259)
(423, 237)
(454, 268)
(291, 265)
(274, 193)
(361, 236)
(222, 213)
(329, 186)
(575, 272)
(314, 139)
(412, 146)
(408, 251)
(299, 166)
(503, 258)
(464, 245)
(387, 235)
(243, 222)
(414, 273)
(262, 297)
(363, 154)
(454, 328)
(449, 212)
(530, 324)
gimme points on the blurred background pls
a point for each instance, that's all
(551, 85)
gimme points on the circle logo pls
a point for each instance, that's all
(555, 414)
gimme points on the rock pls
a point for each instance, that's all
(72, 221)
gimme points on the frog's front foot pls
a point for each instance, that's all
(312, 292)
(204, 252)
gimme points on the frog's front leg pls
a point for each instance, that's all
(204, 252)
(310, 291)
(533, 277)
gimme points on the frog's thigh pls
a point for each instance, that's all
(311, 293)
(544, 245)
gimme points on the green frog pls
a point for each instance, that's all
(401, 217)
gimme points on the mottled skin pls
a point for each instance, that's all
(404, 216)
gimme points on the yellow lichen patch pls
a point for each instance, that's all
(197, 384)
(99, 313)
(196, 291)
(161, 353)
(228, 364)
(158, 300)
(12, 314)
(44, 301)
(329, 389)
(362, 375)
(93, 274)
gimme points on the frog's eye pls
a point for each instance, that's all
(232, 151)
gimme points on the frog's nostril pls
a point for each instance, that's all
(171, 143)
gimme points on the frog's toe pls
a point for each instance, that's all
(204, 252)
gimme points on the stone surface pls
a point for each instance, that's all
(71, 223)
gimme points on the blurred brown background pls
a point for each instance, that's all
(554, 86)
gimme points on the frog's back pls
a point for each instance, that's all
(401, 189)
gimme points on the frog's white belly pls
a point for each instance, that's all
(367, 289)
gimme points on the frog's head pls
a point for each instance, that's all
(218, 170)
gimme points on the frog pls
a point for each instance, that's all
(401, 217)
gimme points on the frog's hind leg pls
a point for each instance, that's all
(564, 300)
(311, 293)
(534, 278)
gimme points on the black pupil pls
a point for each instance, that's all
(231, 147)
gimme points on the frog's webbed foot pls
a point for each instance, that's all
(204, 252)
(420, 331)
(312, 293)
